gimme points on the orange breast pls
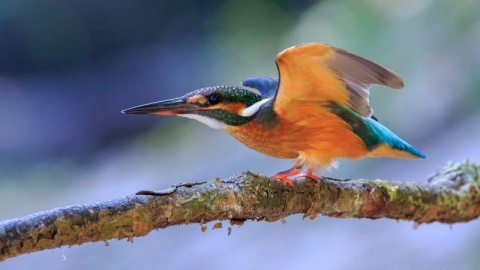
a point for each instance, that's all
(308, 132)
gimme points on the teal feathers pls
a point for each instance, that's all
(371, 131)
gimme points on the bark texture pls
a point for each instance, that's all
(451, 196)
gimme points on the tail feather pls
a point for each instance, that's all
(379, 140)
(388, 138)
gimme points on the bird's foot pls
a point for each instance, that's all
(283, 179)
(283, 176)
(309, 174)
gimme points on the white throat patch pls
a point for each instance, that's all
(252, 109)
(205, 120)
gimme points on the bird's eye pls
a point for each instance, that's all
(214, 99)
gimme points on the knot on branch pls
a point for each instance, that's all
(462, 176)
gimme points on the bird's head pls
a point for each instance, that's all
(217, 106)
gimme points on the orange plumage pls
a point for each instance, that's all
(315, 144)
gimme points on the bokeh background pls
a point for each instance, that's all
(67, 68)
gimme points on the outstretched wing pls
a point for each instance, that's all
(267, 86)
(321, 73)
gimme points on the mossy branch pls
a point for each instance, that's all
(452, 195)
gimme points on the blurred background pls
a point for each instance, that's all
(67, 69)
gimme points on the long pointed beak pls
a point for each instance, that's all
(165, 107)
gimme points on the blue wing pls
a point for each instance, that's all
(267, 86)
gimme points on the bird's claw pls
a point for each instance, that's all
(283, 176)
(283, 179)
(310, 176)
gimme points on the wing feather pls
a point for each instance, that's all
(267, 86)
(319, 72)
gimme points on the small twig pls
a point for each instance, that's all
(167, 191)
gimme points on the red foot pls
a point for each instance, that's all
(309, 174)
(283, 176)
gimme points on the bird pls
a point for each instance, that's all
(315, 112)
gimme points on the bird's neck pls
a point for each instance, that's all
(267, 116)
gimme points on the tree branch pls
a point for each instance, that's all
(452, 195)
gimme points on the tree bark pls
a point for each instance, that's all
(451, 196)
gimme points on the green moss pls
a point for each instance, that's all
(391, 190)
(471, 169)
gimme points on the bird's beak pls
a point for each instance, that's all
(165, 107)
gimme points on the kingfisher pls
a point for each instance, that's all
(316, 111)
